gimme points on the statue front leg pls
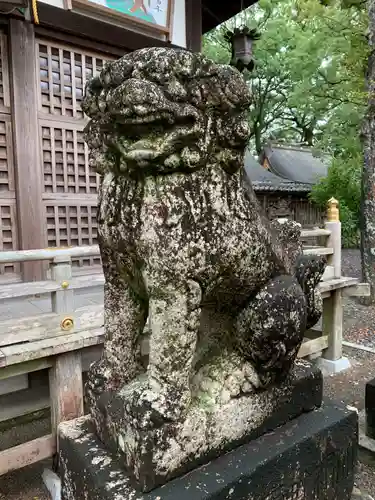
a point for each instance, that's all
(125, 318)
(163, 393)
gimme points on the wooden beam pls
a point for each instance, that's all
(332, 325)
(49, 325)
(357, 290)
(27, 454)
(95, 30)
(31, 222)
(19, 404)
(21, 353)
(193, 20)
(310, 347)
(314, 233)
(21, 368)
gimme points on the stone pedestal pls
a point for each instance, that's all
(154, 456)
(311, 457)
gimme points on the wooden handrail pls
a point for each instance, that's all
(48, 254)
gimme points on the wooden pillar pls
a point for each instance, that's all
(333, 224)
(65, 376)
(193, 20)
(31, 223)
(66, 389)
(333, 312)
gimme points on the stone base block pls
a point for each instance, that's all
(311, 457)
(329, 367)
(365, 441)
(154, 455)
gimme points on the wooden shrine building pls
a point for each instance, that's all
(284, 181)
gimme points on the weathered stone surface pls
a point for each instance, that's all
(185, 244)
(310, 458)
(154, 456)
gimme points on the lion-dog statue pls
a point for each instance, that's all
(188, 255)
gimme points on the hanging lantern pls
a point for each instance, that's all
(241, 40)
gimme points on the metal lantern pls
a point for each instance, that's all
(241, 40)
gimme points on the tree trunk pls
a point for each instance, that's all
(308, 136)
(258, 139)
(368, 175)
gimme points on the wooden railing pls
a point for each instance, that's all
(59, 340)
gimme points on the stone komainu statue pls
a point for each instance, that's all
(185, 244)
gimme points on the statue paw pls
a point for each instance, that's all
(152, 404)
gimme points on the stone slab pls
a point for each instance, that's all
(154, 456)
(311, 457)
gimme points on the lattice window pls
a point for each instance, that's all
(8, 233)
(65, 161)
(63, 74)
(4, 74)
(72, 225)
(6, 155)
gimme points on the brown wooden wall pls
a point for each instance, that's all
(298, 208)
(48, 193)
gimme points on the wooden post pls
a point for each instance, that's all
(193, 23)
(332, 310)
(31, 223)
(62, 300)
(333, 224)
(332, 325)
(66, 388)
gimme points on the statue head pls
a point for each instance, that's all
(165, 110)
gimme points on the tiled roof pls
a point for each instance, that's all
(296, 164)
(264, 180)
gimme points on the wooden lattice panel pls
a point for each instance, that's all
(6, 156)
(72, 225)
(63, 74)
(8, 234)
(65, 160)
(4, 75)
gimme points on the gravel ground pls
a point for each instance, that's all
(359, 320)
(347, 387)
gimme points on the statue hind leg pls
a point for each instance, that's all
(270, 329)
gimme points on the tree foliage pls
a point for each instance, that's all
(308, 85)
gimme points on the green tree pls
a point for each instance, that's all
(308, 86)
(308, 63)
